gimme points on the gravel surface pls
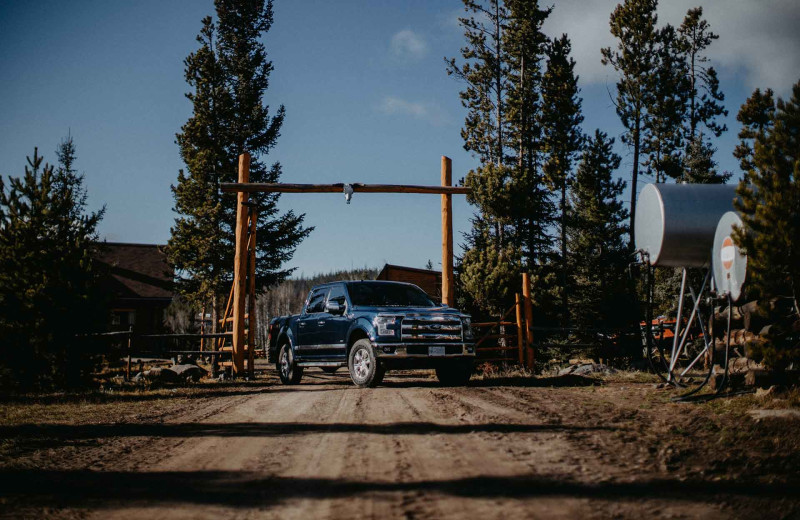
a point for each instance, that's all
(561, 447)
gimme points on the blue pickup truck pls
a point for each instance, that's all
(371, 327)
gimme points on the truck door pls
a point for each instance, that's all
(333, 327)
(307, 326)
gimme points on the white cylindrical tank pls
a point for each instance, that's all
(730, 264)
(675, 223)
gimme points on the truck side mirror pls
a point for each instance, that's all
(333, 308)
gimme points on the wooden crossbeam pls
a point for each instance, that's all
(280, 187)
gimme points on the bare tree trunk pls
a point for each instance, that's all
(635, 174)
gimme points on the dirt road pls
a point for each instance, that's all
(409, 449)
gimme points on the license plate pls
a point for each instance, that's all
(436, 351)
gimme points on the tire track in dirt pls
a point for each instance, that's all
(329, 450)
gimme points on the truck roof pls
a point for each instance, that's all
(361, 281)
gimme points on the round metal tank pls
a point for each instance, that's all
(730, 264)
(675, 223)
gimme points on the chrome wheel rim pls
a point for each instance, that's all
(285, 364)
(361, 364)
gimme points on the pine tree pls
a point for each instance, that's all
(502, 73)
(769, 203)
(662, 139)
(597, 247)
(757, 117)
(49, 289)
(229, 74)
(704, 96)
(485, 73)
(532, 207)
(561, 120)
(489, 273)
(633, 23)
(700, 166)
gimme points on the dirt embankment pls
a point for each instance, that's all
(565, 447)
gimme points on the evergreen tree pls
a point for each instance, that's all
(662, 139)
(704, 96)
(561, 120)
(485, 73)
(597, 247)
(49, 288)
(502, 73)
(229, 74)
(769, 203)
(488, 273)
(757, 117)
(700, 166)
(633, 23)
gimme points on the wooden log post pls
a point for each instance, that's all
(520, 331)
(128, 368)
(448, 296)
(240, 268)
(528, 308)
(251, 296)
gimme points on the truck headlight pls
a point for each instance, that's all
(466, 325)
(382, 323)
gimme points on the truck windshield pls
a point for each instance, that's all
(376, 294)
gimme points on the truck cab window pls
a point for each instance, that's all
(316, 302)
(337, 295)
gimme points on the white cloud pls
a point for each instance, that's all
(391, 105)
(407, 44)
(759, 40)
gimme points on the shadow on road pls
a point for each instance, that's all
(244, 489)
(54, 433)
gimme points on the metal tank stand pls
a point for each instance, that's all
(676, 373)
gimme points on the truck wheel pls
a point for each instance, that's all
(363, 365)
(288, 370)
(455, 373)
(330, 370)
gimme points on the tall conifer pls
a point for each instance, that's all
(769, 196)
(662, 139)
(597, 246)
(561, 120)
(229, 74)
(769, 204)
(704, 96)
(633, 23)
(49, 290)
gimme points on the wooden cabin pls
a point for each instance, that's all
(427, 280)
(141, 282)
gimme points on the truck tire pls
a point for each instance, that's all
(363, 365)
(288, 370)
(454, 373)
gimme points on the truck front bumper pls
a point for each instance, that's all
(387, 351)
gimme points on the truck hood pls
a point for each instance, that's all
(408, 310)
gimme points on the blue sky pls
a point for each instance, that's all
(366, 95)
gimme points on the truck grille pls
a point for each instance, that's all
(437, 328)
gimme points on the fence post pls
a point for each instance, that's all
(528, 306)
(130, 338)
(520, 331)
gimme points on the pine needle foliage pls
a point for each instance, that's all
(49, 283)
(634, 24)
(769, 203)
(599, 292)
(229, 76)
(769, 197)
